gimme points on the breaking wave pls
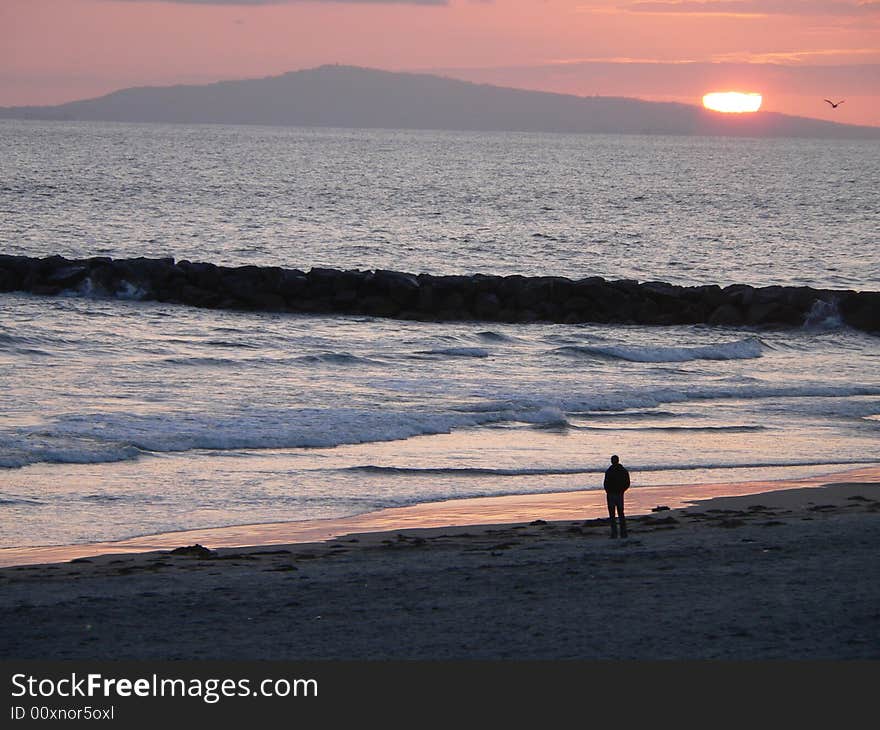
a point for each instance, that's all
(118, 436)
(456, 352)
(745, 349)
(559, 471)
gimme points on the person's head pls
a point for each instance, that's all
(615, 459)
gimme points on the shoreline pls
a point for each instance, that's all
(457, 513)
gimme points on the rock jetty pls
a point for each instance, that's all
(427, 297)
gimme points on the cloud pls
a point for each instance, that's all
(757, 7)
(633, 77)
(800, 57)
(256, 3)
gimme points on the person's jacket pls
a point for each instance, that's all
(616, 479)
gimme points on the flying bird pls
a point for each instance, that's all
(833, 105)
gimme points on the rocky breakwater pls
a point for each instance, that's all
(435, 298)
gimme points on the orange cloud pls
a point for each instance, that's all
(253, 3)
(755, 8)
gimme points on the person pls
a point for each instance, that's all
(616, 483)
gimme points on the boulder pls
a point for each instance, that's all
(726, 315)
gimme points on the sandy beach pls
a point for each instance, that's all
(771, 571)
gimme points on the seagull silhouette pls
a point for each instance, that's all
(833, 105)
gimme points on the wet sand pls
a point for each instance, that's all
(554, 506)
(765, 574)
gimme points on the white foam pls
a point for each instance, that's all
(823, 316)
(260, 428)
(87, 289)
(129, 291)
(543, 415)
(21, 449)
(104, 437)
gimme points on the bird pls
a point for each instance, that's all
(833, 105)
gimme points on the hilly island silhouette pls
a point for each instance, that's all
(348, 96)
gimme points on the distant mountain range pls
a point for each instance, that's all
(346, 96)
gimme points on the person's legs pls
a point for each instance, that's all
(610, 498)
(615, 505)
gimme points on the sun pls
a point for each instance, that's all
(735, 102)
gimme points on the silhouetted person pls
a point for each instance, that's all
(616, 483)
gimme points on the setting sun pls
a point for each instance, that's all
(732, 101)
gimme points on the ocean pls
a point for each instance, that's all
(121, 417)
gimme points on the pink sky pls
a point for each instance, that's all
(794, 52)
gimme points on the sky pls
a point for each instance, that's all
(796, 53)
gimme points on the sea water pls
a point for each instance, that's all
(123, 417)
